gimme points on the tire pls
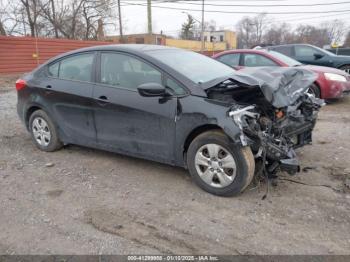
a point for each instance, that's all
(229, 178)
(315, 90)
(345, 68)
(43, 131)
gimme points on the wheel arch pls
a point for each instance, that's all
(29, 112)
(318, 84)
(342, 65)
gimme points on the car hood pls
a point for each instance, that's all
(324, 69)
(281, 86)
(341, 57)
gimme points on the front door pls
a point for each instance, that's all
(309, 55)
(126, 121)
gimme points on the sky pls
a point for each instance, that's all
(169, 20)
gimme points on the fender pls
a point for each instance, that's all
(194, 120)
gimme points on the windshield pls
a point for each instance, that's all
(196, 67)
(285, 59)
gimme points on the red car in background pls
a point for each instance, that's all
(331, 82)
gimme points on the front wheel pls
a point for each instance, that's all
(314, 90)
(218, 166)
(345, 68)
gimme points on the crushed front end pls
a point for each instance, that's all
(274, 113)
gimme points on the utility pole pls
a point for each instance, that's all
(149, 18)
(120, 22)
(202, 31)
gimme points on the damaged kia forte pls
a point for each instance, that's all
(172, 106)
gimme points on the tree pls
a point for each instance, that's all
(73, 19)
(32, 9)
(245, 32)
(2, 29)
(336, 30)
(311, 35)
(251, 30)
(187, 29)
(260, 24)
(347, 40)
(279, 34)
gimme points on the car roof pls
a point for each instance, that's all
(289, 45)
(234, 51)
(140, 48)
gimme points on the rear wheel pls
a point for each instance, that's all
(315, 91)
(345, 68)
(43, 131)
(218, 166)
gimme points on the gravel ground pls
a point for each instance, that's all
(85, 201)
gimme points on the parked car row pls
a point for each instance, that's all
(330, 83)
(176, 107)
(313, 55)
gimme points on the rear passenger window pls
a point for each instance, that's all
(230, 59)
(286, 50)
(253, 60)
(125, 71)
(78, 67)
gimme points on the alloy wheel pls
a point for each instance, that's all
(41, 131)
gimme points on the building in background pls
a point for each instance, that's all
(214, 41)
(154, 39)
(226, 36)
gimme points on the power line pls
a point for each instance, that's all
(237, 12)
(310, 18)
(253, 5)
(176, 1)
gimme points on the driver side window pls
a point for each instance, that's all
(304, 51)
(126, 71)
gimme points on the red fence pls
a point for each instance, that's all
(22, 54)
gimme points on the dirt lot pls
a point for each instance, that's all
(84, 201)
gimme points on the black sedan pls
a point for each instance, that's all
(172, 106)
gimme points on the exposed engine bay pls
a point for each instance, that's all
(275, 114)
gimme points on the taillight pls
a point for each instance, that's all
(20, 84)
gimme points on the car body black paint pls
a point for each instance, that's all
(148, 127)
(121, 120)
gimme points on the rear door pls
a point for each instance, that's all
(67, 92)
(125, 121)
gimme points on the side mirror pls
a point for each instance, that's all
(318, 56)
(151, 90)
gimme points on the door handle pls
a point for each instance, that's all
(49, 86)
(102, 100)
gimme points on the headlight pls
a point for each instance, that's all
(335, 77)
